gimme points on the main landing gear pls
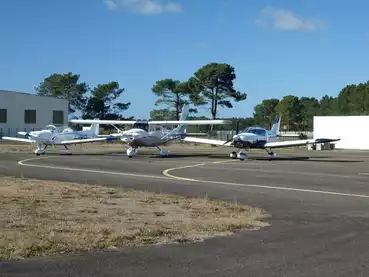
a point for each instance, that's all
(239, 155)
(271, 154)
(243, 156)
(163, 152)
(133, 151)
(40, 151)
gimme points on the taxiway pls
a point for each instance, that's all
(319, 203)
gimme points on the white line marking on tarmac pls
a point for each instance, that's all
(22, 162)
(364, 173)
(322, 174)
(166, 173)
(173, 177)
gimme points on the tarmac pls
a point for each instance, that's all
(318, 201)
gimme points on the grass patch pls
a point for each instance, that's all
(39, 218)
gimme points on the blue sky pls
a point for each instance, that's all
(305, 48)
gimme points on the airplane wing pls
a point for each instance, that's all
(207, 141)
(293, 143)
(107, 122)
(78, 141)
(277, 144)
(130, 122)
(189, 122)
(19, 139)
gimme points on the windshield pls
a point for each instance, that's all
(259, 132)
(51, 128)
(141, 125)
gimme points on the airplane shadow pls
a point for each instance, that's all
(321, 159)
(293, 158)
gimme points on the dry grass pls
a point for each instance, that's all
(40, 218)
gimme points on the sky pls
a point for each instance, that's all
(277, 47)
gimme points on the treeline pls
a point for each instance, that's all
(211, 87)
(298, 112)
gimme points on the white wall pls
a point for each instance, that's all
(16, 103)
(353, 130)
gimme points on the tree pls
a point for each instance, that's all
(162, 114)
(265, 113)
(65, 86)
(328, 106)
(354, 99)
(290, 110)
(172, 93)
(309, 108)
(213, 85)
(101, 104)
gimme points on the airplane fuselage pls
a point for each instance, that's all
(251, 140)
(140, 138)
(49, 138)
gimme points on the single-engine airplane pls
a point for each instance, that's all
(150, 133)
(258, 138)
(50, 135)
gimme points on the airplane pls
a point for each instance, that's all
(255, 137)
(141, 135)
(50, 135)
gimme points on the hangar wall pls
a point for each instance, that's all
(26, 112)
(353, 130)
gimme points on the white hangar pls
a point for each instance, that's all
(26, 112)
(352, 130)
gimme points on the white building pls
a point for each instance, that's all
(352, 130)
(26, 112)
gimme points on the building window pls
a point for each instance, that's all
(30, 116)
(3, 115)
(58, 117)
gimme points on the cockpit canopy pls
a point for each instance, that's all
(50, 128)
(256, 131)
(61, 129)
(144, 125)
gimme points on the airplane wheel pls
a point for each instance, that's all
(233, 155)
(242, 156)
(164, 153)
(38, 154)
(271, 155)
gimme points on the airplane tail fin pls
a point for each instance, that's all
(182, 128)
(276, 125)
(95, 128)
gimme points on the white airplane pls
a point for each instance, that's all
(141, 135)
(258, 138)
(50, 135)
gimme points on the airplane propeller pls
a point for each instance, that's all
(237, 131)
